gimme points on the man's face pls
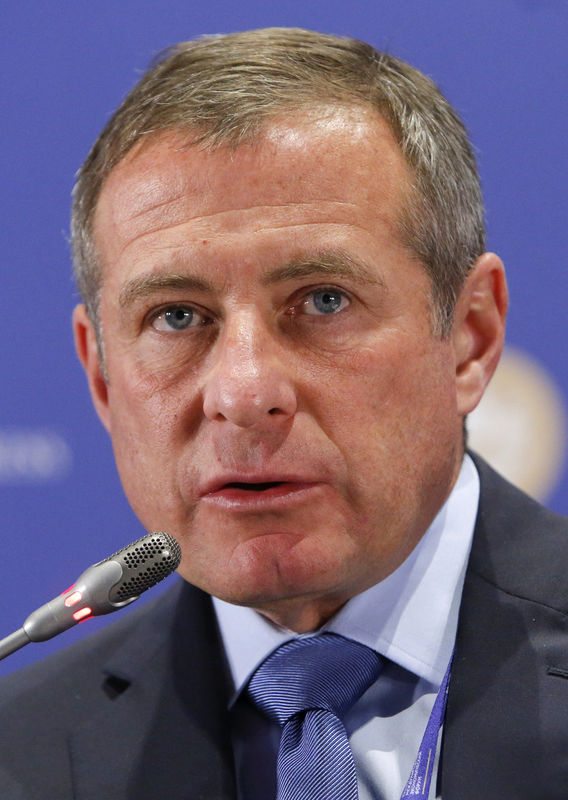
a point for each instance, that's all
(276, 398)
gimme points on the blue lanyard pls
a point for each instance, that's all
(418, 784)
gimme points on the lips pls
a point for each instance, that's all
(253, 487)
(256, 492)
(257, 482)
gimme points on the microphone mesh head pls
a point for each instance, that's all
(145, 562)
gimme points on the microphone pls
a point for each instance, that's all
(105, 587)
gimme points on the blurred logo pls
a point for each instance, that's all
(520, 425)
(30, 455)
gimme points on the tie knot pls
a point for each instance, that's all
(320, 672)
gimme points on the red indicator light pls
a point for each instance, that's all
(83, 613)
(69, 589)
(73, 599)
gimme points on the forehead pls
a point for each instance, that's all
(340, 164)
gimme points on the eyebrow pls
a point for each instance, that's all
(336, 264)
(148, 284)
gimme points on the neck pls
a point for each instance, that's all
(301, 617)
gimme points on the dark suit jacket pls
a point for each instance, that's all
(138, 711)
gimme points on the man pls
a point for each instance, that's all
(288, 314)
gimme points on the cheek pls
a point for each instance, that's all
(389, 403)
(148, 397)
(146, 430)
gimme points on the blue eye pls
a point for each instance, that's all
(178, 318)
(324, 301)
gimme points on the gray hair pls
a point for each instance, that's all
(222, 90)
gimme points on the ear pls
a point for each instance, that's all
(478, 331)
(87, 350)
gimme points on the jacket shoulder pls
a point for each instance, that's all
(519, 545)
(72, 669)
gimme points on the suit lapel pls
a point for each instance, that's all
(504, 709)
(162, 728)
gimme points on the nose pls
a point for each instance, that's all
(248, 383)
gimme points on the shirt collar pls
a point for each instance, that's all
(410, 617)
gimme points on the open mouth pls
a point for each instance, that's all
(258, 495)
(254, 487)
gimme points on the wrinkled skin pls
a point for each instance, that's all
(275, 394)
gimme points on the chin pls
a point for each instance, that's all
(275, 567)
(273, 591)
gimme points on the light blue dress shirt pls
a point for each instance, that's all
(410, 618)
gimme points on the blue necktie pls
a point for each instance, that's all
(306, 685)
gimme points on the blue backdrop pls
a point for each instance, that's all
(65, 67)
